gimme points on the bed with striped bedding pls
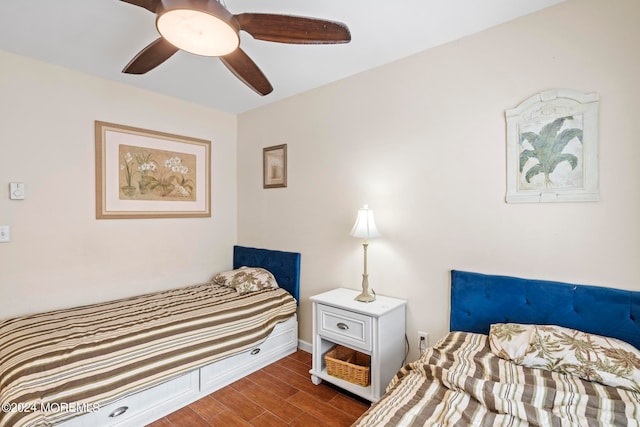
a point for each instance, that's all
(461, 382)
(493, 370)
(94, 355)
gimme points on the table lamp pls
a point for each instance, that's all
(365, 227)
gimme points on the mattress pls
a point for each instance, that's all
(60, 364)
(461, 382)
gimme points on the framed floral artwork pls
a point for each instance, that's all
(552, 148)
(274, 164)
(147, 174)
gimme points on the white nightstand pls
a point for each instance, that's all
(376, 328)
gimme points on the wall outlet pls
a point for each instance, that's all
(423, 339)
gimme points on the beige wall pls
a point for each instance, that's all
(422, 141)
(60, 255)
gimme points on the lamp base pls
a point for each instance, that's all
(366, 295)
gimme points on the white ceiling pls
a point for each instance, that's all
(101, 36)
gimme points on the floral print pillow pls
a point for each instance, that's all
(246, 279)
(591, 357)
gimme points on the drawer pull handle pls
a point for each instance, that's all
(255, 351)
(343, 326)
(121, 410)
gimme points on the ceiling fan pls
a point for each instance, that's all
(206, 27)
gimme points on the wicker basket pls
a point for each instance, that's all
(348, 365)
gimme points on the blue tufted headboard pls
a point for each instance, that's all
(478, 300)
(285, 266)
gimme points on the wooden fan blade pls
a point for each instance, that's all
(150, 5)
(150, 57)
(293, 29)
(247, 71)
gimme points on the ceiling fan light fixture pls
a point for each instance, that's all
(198, 32)
(206, 27)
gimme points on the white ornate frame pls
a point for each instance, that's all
(546, 107)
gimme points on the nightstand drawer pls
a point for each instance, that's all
(350, 328)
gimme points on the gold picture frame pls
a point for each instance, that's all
(274, 165)
(142, 173)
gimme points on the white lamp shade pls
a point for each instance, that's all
(198, 32)
(365, 225)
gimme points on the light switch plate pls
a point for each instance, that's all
(16, 190)
(5, 234)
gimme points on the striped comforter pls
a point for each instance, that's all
(460, 382)
(93, 355)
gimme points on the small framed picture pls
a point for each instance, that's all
(274, 166)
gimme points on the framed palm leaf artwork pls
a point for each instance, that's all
(552, 153)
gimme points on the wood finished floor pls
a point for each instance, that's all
(280, 394)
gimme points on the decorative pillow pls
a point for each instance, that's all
(591, 357)
(246, 279)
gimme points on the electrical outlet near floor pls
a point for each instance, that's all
(423, 339)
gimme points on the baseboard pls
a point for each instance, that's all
(305, 346)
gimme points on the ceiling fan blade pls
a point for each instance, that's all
(293, 29)
(247, 71)
(150, 57)
(150, 5)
